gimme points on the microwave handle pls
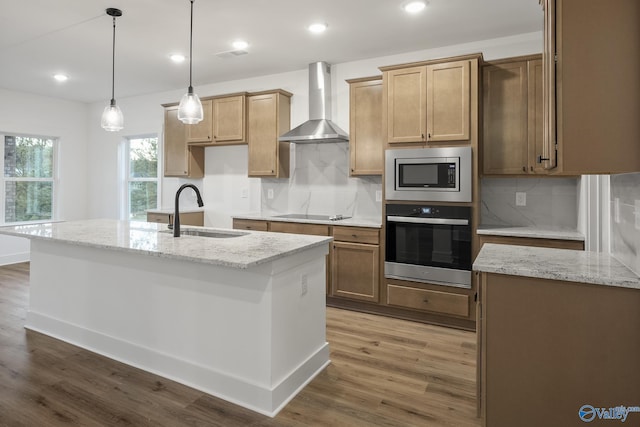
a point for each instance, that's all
(417, 220)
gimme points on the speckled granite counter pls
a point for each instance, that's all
(532, 232)
(249, 249)
(350, 222)
(555, 264)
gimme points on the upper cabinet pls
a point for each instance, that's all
(269, 117)
(366, 140)
(512, 123)
(180, 159)
(591, 86)
(224, 121)
(430, 102)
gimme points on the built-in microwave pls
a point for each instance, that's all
(440, 174)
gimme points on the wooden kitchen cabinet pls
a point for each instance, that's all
(203, 131)
(530, 241)
(556, 345)
(430, 102)
(366, 140)
(269, 116)
(250, 224)
(355, 263)
(180, 159)
(591, 86)
(186, 218)
(448, 101)
(229, 119)
(512, 124)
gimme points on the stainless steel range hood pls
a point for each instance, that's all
(319, 127)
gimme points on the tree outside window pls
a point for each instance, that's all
(142, 177)
(29, 172)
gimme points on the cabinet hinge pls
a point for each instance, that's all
(555, 58)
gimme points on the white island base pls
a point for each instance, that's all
(253, 336)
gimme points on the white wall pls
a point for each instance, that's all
(143, 115)
(24, 113)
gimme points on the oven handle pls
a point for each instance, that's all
(444, 221)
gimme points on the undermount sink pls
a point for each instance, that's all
(207, 233)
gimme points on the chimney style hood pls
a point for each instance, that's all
(319, 127)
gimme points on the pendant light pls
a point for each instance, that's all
(112, 119)
(190, 108)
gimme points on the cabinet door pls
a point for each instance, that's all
(505, 147)
(203, 131)
(355, 268)
(536, 116)
(229, 119)
(268, 117)
(406, 104)
(549, 153)
(365, 118)
(448, 101)
(180, 159)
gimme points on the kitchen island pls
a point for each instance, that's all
(239, 314)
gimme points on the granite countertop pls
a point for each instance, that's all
(555, 264)
(350, 222)
(560, 233)
(172, 210)
(250, 249)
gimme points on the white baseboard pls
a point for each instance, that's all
(15, 258)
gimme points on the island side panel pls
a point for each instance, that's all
(203, 325)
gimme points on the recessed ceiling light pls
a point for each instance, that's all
(318, 28)
(240, 44)
(61, 77)
(414, 6)
(177, 58)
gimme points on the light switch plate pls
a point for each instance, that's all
(270, 193)
(244, 193)
(378, 195)
(616, 210)
(521, 198)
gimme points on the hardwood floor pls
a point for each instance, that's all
(384, 372)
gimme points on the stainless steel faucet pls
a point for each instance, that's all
(176, 214)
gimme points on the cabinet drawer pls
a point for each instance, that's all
(423, 299)
(299, 228)
(158, 217)
(577, 245)
(250, 224)
(357, 235)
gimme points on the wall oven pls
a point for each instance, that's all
(434, 174)
(428, 243)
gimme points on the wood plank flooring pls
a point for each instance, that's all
(384, 372)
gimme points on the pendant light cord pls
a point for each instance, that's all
(113, 64)
(191, 49)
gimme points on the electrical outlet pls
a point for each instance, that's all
(378, 195)
(303, 285)
(270, 193)
(244, 193)
(616, 210)
(521, 198)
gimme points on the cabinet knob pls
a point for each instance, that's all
(524, 169)
(425, 300)
(531, 168)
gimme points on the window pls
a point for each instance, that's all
(141, 171)
(29, 178)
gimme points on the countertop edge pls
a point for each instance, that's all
(598, 268)
(350, 222)
(531, 232)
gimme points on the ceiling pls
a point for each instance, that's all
(39, 38)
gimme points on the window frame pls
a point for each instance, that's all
(55, 179)
(125, 174)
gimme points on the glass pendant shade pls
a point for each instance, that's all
(112, 119)
(190, 108)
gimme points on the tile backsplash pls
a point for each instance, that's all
(549, 202)
(625, 219)
(319, 184)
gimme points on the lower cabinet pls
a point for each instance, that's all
(186, 218)
(250, 224)
(429, 300)
(355, 263)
